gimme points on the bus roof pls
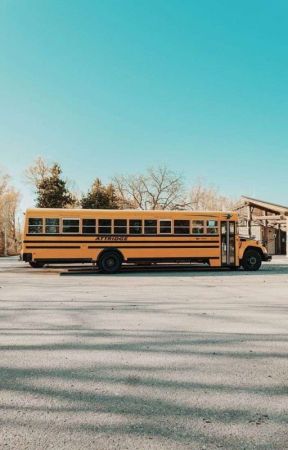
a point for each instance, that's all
(129, 212)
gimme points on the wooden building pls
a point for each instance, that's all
(267, 222)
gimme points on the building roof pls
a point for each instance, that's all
(272, 207)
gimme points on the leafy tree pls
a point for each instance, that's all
(100, 197)
(52, 190)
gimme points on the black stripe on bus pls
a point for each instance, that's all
(143, 260)
(124, 246)
(184, 258)
(157, 241)
(121, 235)
(54, 246)
(155, 246)
(64, 260)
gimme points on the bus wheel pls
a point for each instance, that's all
(251, 260)
(36, 265)
(110, 262)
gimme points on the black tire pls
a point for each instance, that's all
(110, 262)
(36, 265)
(251, 260)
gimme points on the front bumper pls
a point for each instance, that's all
(266, 257)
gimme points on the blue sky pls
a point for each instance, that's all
(114, 86)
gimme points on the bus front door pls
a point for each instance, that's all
(228, 257)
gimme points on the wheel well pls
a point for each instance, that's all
(257, 249)
(108, 250)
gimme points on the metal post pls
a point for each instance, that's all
(249, 220)
(287, 237)
(228, 243)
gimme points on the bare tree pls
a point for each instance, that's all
(9, 200)
(38, 171)
(4, 180)
(157, 188)
(207, 198)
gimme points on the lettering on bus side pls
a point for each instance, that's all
(111, 238)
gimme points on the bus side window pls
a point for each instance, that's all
(104, 226)
(52, 226)
(70, 226)
(165, 226)
(135, 226)
(35, 226)
(181, 227)
(120, 226)
(150, 226)
(197, 226)
(211, 227)
(89, 226)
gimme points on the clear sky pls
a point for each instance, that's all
(112, 86)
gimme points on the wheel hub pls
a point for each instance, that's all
(110, 262)
(252, 260)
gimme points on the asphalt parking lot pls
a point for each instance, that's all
(143, 360)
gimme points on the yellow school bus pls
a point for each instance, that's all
(110, 238)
